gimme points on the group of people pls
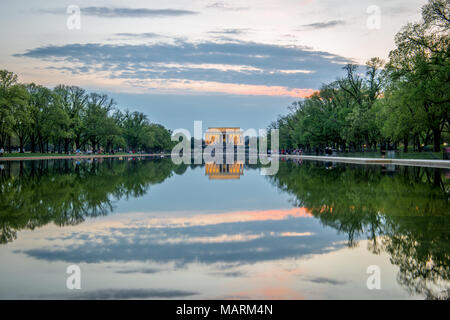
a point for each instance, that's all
(292, 151)
(327, 151)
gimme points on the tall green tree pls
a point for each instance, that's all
(97, 124)
(73, 101)
(12, 94)
(40, 100)
(421, 59)
(21, 112)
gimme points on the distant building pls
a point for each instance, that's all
(224, 136)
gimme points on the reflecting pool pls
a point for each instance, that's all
(145, 228)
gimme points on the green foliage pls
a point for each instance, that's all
(69, 118)
(340, 113)
(419, 69)
(407, 101)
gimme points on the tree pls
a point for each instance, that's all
(97, 126)
(421, 59)
(363, 92)
(160, 138)
(12, 94)
(135, 127)
(340, 113)
(73, 101)
(40, 101)
(21, 113)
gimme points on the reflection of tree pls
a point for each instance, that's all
(35, 193)
(420, 247)
(404, 214)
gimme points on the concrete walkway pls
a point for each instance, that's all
(379, 161)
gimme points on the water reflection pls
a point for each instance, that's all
(401, 212)
(66, 192)
(224, 171)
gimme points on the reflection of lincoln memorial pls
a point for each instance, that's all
(224, 136)
(224, 171)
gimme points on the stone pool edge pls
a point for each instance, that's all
(445, 164)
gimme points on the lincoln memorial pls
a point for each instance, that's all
(224, 136)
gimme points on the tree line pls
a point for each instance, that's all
(68, 118)
(405, 100)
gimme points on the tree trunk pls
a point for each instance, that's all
(33, 144)
(9, 144)
(437, 140)
(21, 144)
(405, 144)
(66, 145)
(77, 143)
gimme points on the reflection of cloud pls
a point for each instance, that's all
(141, 270)
(323, 25)
(231, 274)
(227, 238)
(323, 280)
(228, 217)
(296, 234)
(281, 294)
(217, 239)
(277, 293)
(108, 294)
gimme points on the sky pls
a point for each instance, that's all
(226, 63)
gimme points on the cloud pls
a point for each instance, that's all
(226, 7)
(115, 12)
(113, 294)
(230, 67)
(323, 25)
(146, 35)
(229, 31)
